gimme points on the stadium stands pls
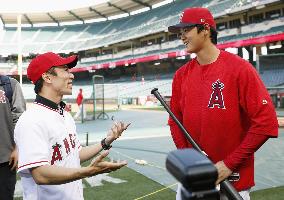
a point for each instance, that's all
(222, 6)
(86, 36)
(273, 77)
(65, 39)
(126, 89)
(134, 89)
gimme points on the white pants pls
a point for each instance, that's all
(244, 194)
(79, 112)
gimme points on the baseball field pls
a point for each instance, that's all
(148, 139)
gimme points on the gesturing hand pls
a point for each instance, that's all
(116, 131)
(99, 166)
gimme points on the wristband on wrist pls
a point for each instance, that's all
(105, 146)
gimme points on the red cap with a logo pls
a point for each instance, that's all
(193, 16)
(44, 62)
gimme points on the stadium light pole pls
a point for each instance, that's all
(20, 58)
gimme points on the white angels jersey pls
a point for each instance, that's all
(46, 137)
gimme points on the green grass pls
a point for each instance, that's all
(276, 193)
(138, 185)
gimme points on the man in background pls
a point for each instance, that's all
(12, 105)
(81, 113)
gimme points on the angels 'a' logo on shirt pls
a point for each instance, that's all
(2, 97)
(216, 98)
(57, 154)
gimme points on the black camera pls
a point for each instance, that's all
(195, 172)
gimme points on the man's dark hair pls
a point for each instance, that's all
(213, 32)
(39, 82)
(38, 85)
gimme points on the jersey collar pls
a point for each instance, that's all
(50, 104)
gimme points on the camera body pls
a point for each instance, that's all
(195, 172)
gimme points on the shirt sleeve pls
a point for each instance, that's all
(177, 135)
(250, 144)
(256, 102)
(263, 124)
(18, 103)
(32, 142)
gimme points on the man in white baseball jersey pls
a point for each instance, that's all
(49, 151)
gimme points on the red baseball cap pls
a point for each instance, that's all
(193, 16)
(44, 62)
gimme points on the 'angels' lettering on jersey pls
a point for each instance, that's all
(63, 149)
(216, 98)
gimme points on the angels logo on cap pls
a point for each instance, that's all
(181, 16)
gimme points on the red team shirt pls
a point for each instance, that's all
(79, 98)
(220, 104)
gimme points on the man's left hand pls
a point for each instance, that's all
(116, 131)
(14, 159)
(223, 171)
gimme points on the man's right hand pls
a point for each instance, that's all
(53, 175)
(13, 160)
(99, 166)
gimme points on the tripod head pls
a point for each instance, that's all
(195, 172)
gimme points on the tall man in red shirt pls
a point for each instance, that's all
(221, 101)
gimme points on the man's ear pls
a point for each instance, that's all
(46, 77)
(206, 31)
